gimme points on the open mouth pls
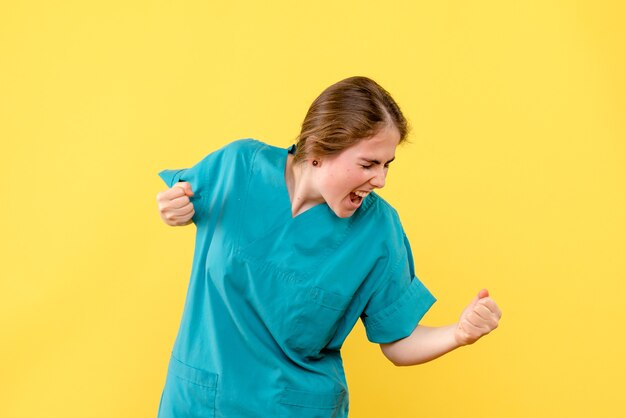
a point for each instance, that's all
(356, 199)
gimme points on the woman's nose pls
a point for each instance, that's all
(378, 180)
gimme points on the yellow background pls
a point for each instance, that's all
(515, 180)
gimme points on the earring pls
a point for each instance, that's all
(315, 163)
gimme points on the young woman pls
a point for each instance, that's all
(293, 246)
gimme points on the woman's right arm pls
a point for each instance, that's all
(174, 205)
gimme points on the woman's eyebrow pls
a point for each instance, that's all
(378, 162)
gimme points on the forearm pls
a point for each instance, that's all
(424, 344)
(479, 318)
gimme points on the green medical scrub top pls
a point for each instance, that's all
(272, 298)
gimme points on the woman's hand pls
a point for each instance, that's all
(479, 318)
(174, 205)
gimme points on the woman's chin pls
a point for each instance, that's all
(345, 209)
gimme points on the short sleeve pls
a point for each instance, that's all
(208, 178)
(398, 304)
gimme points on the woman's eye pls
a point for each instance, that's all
(366, 166)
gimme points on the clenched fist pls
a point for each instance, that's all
(174, 205)
(479, 318)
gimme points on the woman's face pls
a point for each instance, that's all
(343, 180)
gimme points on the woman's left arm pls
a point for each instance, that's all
(479, 318)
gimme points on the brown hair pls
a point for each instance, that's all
(345, 113)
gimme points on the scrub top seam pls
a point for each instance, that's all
(246, 194)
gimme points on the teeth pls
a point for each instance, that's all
(361, 194)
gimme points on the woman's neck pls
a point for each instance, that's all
(299, 178)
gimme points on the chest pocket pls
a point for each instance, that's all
(300, 315)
